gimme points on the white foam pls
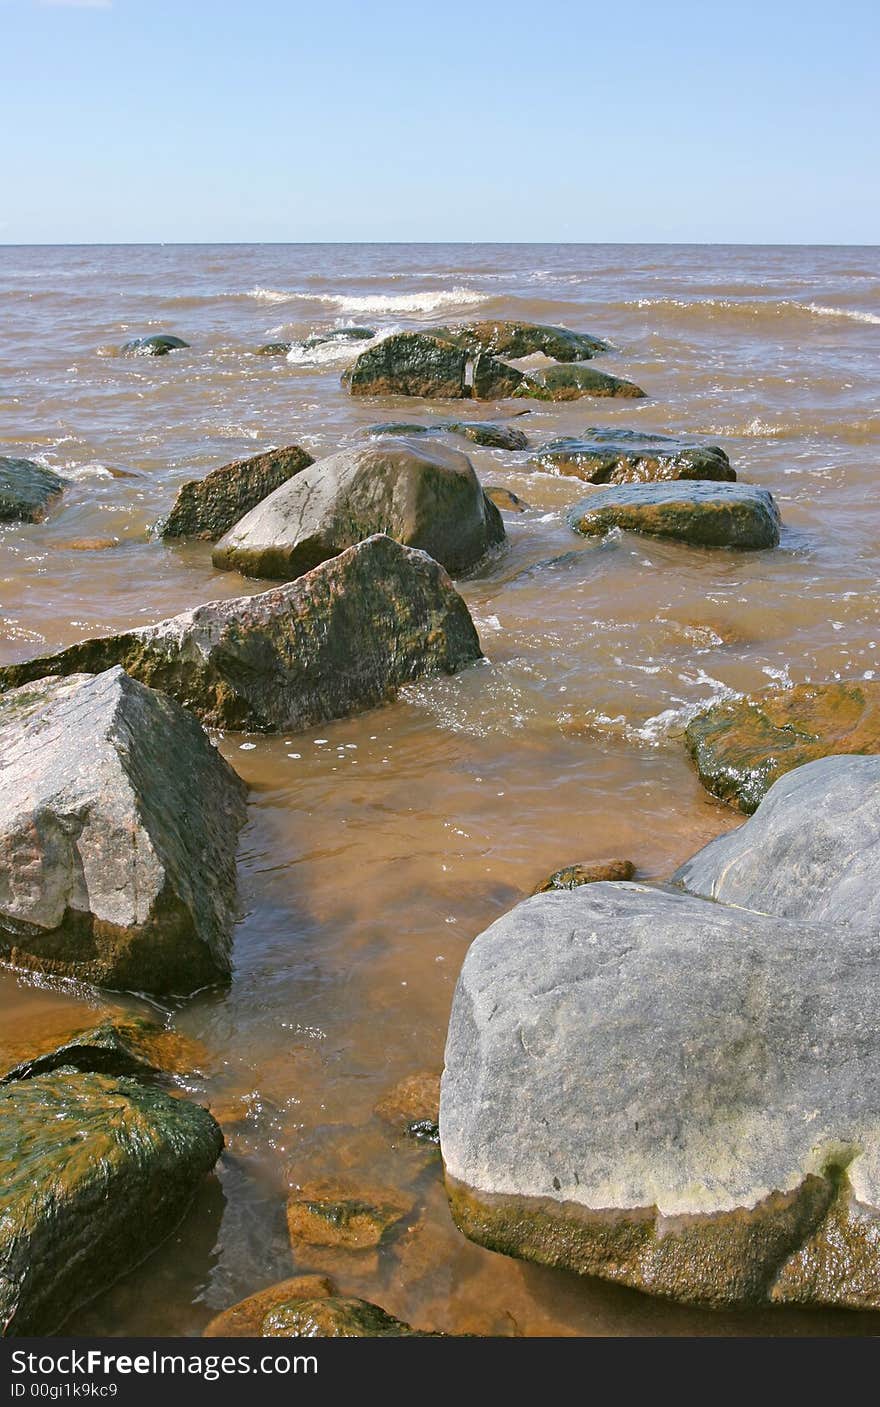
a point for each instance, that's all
(428, 302)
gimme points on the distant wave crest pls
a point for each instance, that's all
(424, 302)
(714, 307)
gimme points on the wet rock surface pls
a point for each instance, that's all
(157, 345)
(245, 1319)
(133, 1046)
(422, 495)
(524, 339)
(338, 640)
(27, 490)
(209, 507)
(487, 433)
(429, 364)
(505, 499)
(611, 456)
(672, 1093)
(572, 381)
(741, 516)
(742, 746)
(344, 1216)
(94, 1173)
(118, 830)
(588, 872)
(335, 1318)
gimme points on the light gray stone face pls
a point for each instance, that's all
(118, 829)
(811, 850)
(422, 494)
(652, 1087)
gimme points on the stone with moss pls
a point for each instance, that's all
(156, 345)
(343, 1215)
(95, 1172)
(740, 747)
(27, 490)
(740, 516)
(117, 1046)
(611, 456)
(118, 830)
(207, 508)
(422, 495)
(244, 1320)
(335, 1317)
(339, 640)
(486, 433)
(412, 1107)
(524, 339)
(432, 365)
(571, 382)
(589, 872)
(671, 1093)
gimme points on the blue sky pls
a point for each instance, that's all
(278, 120)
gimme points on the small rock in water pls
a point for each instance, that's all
(742, 516)
(412, 1107)
(335, 1318)
(480, 432)
(27, 490)
(591, 872)
(274, 349)
(342, 1215)
(157, 345)
(524, 339)
(339, 334)
(741, 747)
(571, 382)
(608, 456)
(209, 507)
(244, 1320)
(505, 499)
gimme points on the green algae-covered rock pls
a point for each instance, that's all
(158, 345)
(670, 1093)
(740, 747)
(339, 639)
(479, 432)
(424, 495)
(27, 490)
(429, 364)
(110, 1048)
(523, 339)
(342, 1214)
(244, 1320)
(209, 507)
(702, 514)
(609, 456)
(94, 1173)
(118, 830)
(334, 1317)
(570, 383)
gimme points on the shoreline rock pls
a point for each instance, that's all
(209, 507)
(156, 345)
(740, 516)
(524, 339)
(27, 490)
(336, 641)
(425, 496)
(431, 365)
(589, 872)
(609, 456)
(487, 433)
(118, 830)
(742, 746)
(571, 381)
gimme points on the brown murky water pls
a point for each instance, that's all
(378, 847)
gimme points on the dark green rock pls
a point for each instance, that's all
(274, 349)
(702, 514)
(209, 507)
(335, 1317)
(523, 339)
(94, 1173)
(428, 364)
(339, 639)
(479, 432)
(610, 456)
(27, 490)
(339, 334)
(158, 345)
(110, 1048)
(570, 383)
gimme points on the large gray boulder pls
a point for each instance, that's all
(702, 514)
(338, 640)
(677, 1095)
(27, 490)
(423, 495)
(95, 1171)
(209, 507)
(811, 850)
(118, 830)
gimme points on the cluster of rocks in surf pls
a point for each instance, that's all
(667, 1086)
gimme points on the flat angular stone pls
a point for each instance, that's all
(702, 514)
(609, 456)
(209, 507)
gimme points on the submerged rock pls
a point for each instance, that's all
(338, 640)
(94, 1173)
(118, 828)
(158, 345)
(113, 1047)
(742, 746)
(209, 507)
(570, 383)
(339, 1215)
(523, 339)
(424, 496)
(428, 364)
(705, 515)
(811, 850)
(339, 334)
(335, 1318)
(479, 432)
(412, 1107)
(274, 349)
(27, 490)
(670, 1093)
(244, 1320)
(505, 499)
(593, 872)
(609, 456)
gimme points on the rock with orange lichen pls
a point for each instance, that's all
(587, 872)
(244, 1320)
(343, 1215)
